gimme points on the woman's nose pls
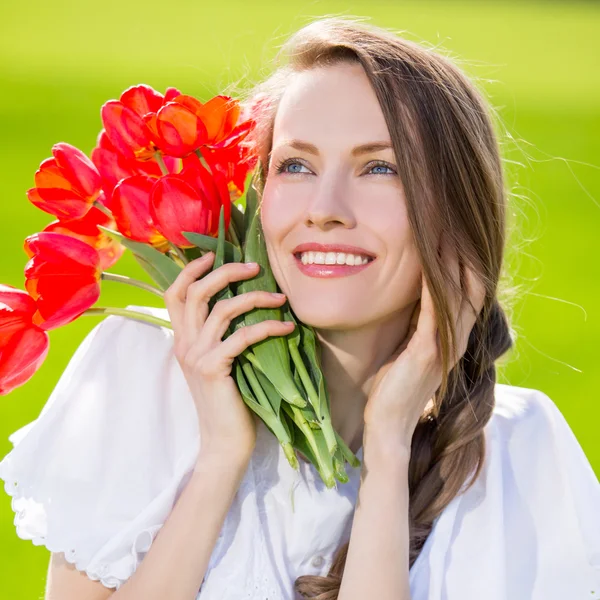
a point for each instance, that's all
(328, 207)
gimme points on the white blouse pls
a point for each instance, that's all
(97, 473)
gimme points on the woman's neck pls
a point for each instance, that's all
(350, 359)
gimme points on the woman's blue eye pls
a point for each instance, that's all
(389, 169)
(294, 167)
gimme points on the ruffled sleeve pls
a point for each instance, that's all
(529, 528)
(97, 473)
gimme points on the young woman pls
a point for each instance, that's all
(383, 205)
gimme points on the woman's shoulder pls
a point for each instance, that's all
(516, 406)
(529, 526)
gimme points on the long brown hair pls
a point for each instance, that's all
(448, 158)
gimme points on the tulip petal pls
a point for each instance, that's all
(126, 130)
(86, 230)
(237, 135)
(171, 93)
(21, 355)
(178, 131)
(219, 115)
(113, 167)
(78, 169)
(212, 189)
(16, 306)
(131, 210)
(142, 99)
(49, 175)
(63, 298)
(61, 249)
(58, 202)
(62, 276)
(176, 207)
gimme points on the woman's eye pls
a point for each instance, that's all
(381, 170)
(291, 166)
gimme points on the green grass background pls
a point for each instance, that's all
(60, 61)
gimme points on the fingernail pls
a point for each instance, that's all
(277, 295)
(251, 265)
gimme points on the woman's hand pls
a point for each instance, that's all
(227, 425)
(406, 383)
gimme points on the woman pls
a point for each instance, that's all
(383, 206)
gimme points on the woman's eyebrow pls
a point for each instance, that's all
(356, 151)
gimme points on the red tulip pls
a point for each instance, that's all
(233, 163)
(67, 184)
(62, 276)
(124, 124)
(86, 230)
(189, 201)
(131, 210)
(23, 345)
(185, 124)
(113, 167)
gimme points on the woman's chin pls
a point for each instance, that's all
(326, 319)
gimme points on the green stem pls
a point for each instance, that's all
(234, 238)
(313, 396)
(296, 415)
(179, 253)
(161, 163)
(130, 281)
(102, 208)
(203, 160)
(346, 452)
(130, 314)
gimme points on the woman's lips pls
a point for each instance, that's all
(315, 270)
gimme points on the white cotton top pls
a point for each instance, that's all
(97, 473)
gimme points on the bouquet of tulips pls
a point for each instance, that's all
(168, 180)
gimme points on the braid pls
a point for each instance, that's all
(446, 447)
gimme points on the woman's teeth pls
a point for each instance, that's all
(332, 258)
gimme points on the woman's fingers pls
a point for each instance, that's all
(426, 331)
(200, 292)
(241, 339)
(225, 311)
(175, 295)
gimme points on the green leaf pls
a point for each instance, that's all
(272, 394)
(288, 424)
(251, 208)
(250, 400)
(161, 268)
(237, 218)
(208, 243)
(219, 262)
(339, 469)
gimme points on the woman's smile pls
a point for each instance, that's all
(331, 264)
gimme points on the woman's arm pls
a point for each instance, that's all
(176, 563)
(377, 564)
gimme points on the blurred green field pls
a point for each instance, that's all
(60, 61)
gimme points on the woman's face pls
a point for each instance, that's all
(332, 193)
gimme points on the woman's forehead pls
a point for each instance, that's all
(330, 104)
